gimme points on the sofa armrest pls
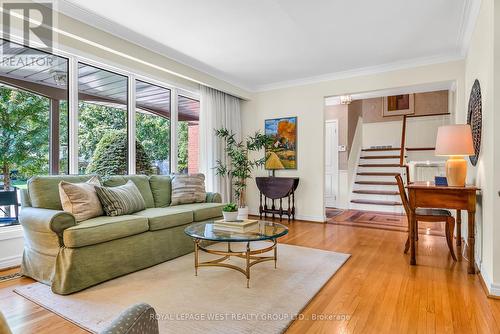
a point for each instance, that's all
(46, 220)
(139, 318)
(213, 198)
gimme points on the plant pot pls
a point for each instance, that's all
(243, 213)
(230, 216)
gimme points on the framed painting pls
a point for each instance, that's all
(282, 154)
(397, 105)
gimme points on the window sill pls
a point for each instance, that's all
(11, 232)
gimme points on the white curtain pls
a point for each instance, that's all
(217, 110)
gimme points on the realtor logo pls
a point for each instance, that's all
(36, 26)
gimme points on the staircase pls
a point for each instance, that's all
(375, 187)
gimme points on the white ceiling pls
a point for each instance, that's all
(262, 44)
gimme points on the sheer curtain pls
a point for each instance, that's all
(217, 110)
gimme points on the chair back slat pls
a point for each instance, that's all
(402, 194)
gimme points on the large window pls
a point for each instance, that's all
(33, 116)
(187, 132)
(152, 129)
(102, 121)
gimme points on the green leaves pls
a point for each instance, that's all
(230, 207)
(240, 166)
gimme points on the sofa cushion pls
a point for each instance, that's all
(161, 187)
(163, 218)
(80, 199)
(203, 211)
(44, 190)
(188, 188)
(141, 181)
(120, 200)
(101, 229)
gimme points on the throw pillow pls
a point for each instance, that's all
(80, 199)
(188, 188)
(121, 200)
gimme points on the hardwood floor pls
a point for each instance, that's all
(376, 291)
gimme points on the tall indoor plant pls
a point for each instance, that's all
(239, 166)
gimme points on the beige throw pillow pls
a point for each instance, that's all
(188, 188)
(81, 199)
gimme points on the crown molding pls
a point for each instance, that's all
(91, 18)
(470, 12)
(369, 70)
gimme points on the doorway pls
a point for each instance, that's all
(331, 163)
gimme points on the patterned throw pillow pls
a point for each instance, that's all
(121, 200)
(188, 188)
(80, 199)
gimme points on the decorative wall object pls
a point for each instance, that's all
(282, 154)
(397, 105)
(474, 118)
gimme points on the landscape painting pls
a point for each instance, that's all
(282, 154)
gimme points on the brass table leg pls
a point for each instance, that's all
(275, 256)
(248, 265)
(196, 257)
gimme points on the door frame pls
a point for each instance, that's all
(336, 174)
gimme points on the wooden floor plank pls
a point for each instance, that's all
(376, 291)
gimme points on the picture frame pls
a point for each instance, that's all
(398, 105)
(282, 154)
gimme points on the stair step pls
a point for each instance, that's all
(420, 148)
(379, 165)
(380, 149)
(373, 202)
(377, 183)
(376, 192)
(378, 174)
(380, 157)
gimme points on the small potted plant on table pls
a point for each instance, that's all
(230, 212)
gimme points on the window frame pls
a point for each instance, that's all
(132, 75)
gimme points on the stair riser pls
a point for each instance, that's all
(379, 161)
(391, 198)
(375, 178)
(380, 169)
(375, 153)
(378, 208)
(374, 187)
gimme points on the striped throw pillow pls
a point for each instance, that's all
(121, 200)
(188, 188)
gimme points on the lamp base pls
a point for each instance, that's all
(456, 171)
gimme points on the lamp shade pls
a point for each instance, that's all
(454, 140)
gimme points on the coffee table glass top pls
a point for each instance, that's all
(266, 231)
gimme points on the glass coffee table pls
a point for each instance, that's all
(266, 231)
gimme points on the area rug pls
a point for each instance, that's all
(215, 301)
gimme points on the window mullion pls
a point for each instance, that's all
(131, 129)
(173, 130)
(73, 116)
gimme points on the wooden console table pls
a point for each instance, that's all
(428, 195)
(277, 188)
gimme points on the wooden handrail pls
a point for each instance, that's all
(403, 142)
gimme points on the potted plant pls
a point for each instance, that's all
(230, 212)
(238, 166)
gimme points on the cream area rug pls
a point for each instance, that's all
(215, 301)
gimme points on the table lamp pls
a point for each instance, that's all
(455, 141)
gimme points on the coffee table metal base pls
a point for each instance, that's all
(250, 255)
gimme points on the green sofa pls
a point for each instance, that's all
(71, 257)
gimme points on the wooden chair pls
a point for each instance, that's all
(427, 215)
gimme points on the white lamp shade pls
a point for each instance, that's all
(454, 140)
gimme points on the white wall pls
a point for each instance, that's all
(382, 134)
(307, 103)
(479, 64)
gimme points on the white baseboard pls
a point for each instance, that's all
(493, 288)
(320, 219)
(11, 261)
